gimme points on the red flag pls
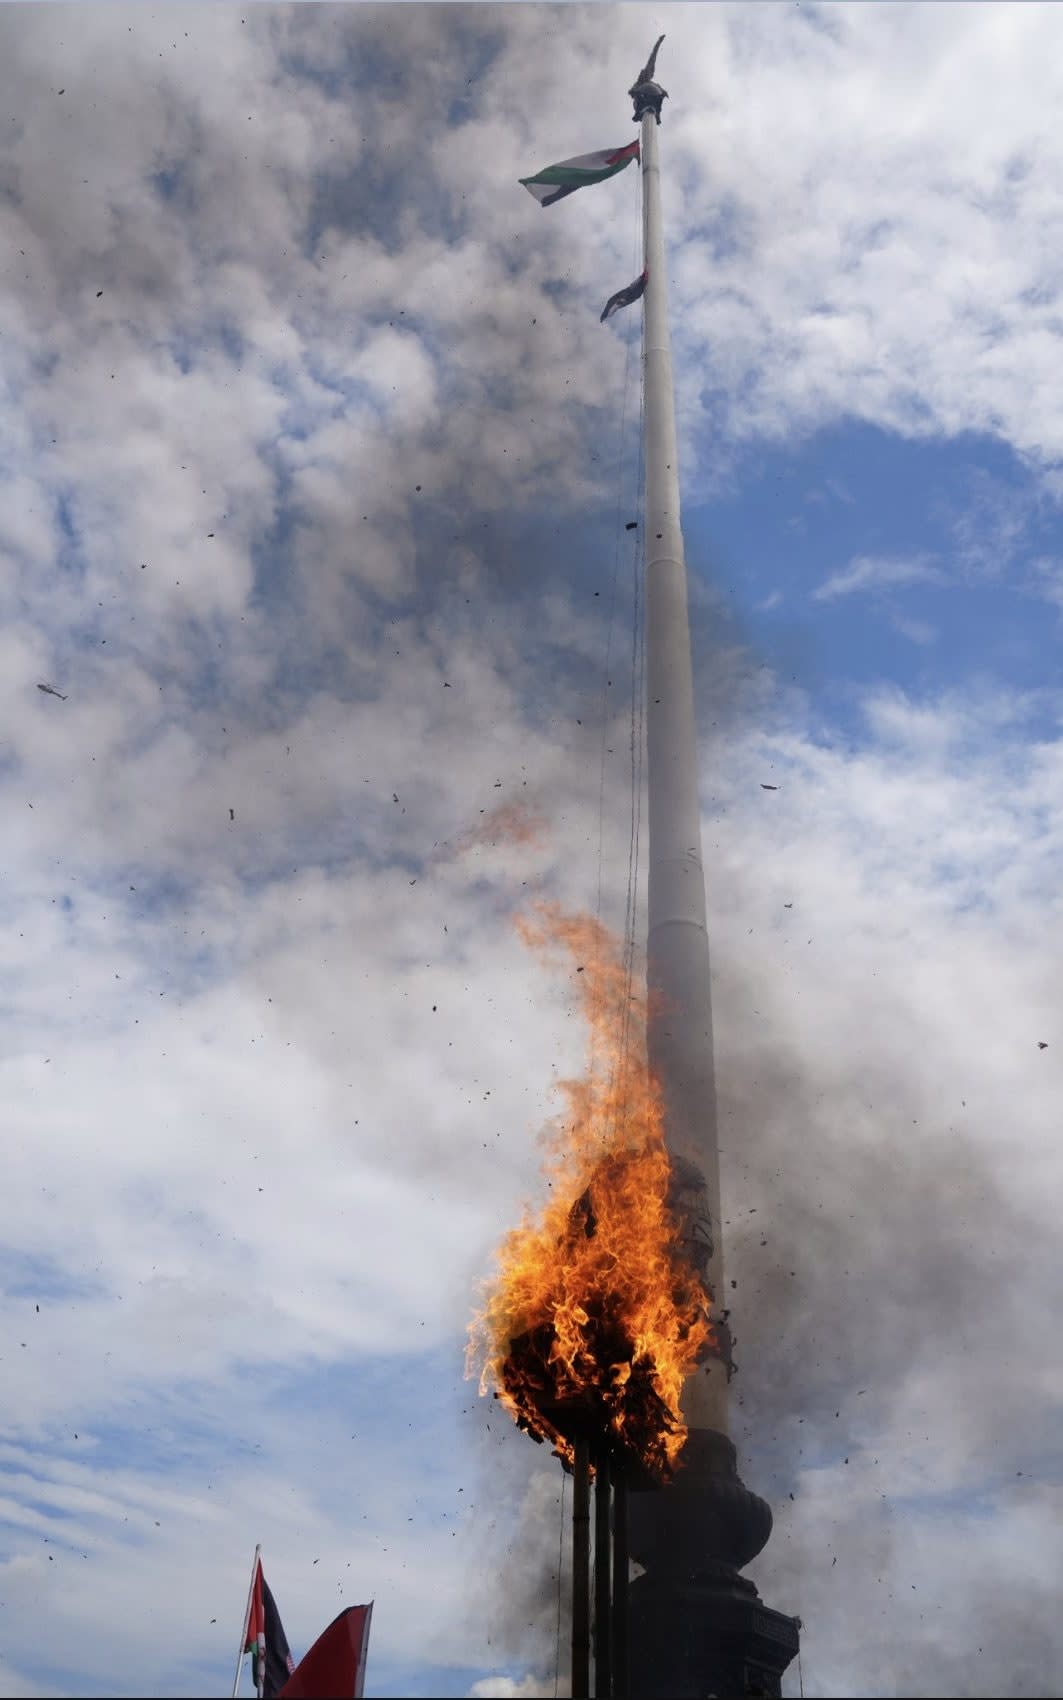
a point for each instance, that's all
(334, 1668)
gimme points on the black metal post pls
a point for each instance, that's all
(603, 1596)
(581, 1558)
(620, 1582)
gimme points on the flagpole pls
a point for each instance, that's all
(680, 1027)
(247, 1620)
(696, 1626)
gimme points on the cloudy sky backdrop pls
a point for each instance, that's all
(316, 466)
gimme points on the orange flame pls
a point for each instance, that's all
(509, 823)
(596, 1310)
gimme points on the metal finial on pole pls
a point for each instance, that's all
(646, 74)
(647, 94)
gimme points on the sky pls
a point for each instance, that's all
(307, 419)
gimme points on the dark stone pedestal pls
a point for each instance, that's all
(698, 1628)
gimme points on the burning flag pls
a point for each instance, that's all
(554, 182)
(596, 1309)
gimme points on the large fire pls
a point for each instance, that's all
(595, 1309)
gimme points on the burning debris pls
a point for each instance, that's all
(509, 823)
(596, 1317)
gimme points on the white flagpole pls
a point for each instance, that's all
(680, 1035)
(247, 1620)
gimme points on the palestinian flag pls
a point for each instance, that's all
(624, 297)
(271, 1660)
(557, 181)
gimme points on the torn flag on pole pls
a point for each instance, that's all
(624, 297)
(557, 181)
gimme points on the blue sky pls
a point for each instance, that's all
(956, 539)
(317, 468)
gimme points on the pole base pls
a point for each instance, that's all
(696, 1627)
(703, 1638)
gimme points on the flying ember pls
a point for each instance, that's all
(596, 1318)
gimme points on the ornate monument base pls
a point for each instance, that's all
(696, 1627)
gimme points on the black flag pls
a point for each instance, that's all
(624, 297)
(279, 1662)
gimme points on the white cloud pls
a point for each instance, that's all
(874, 573)
(1046, 580)
(917, 631)
(893, 261)
(512, 1688)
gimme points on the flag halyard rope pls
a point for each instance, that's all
(631, 900)
(636, 722)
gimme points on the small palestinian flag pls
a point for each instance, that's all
(557, 181)
(271, 1659)
(624, 297)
